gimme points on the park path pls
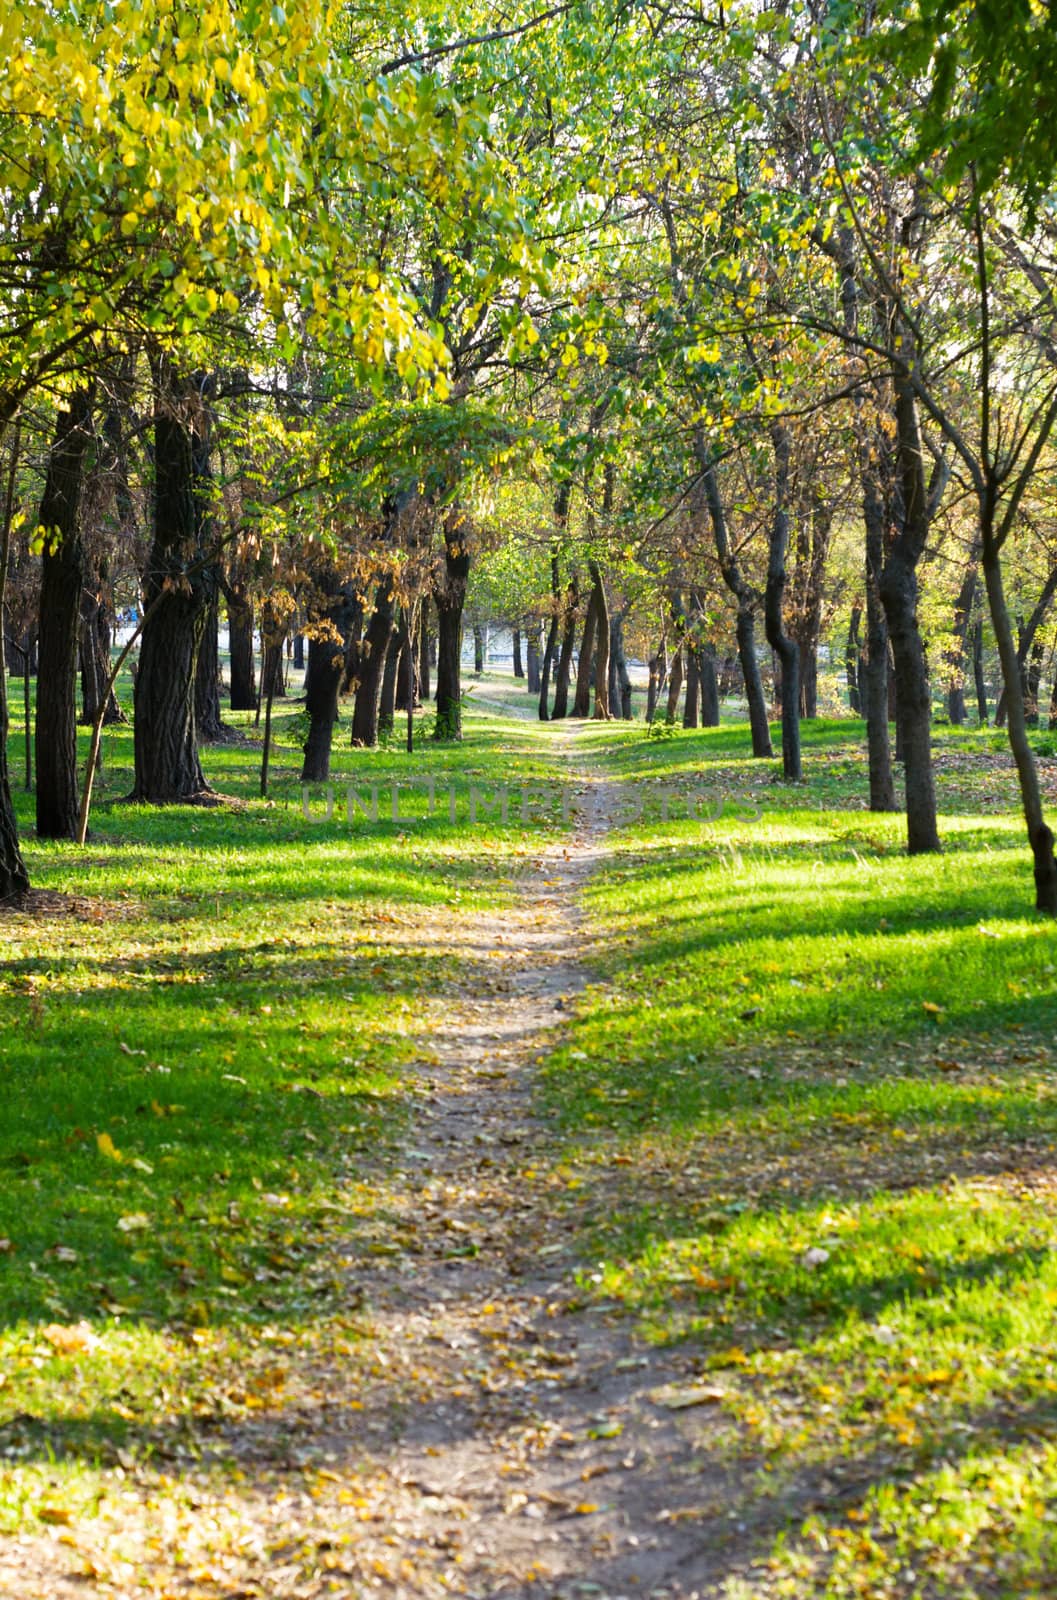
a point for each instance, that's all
(517, 1425)
(496, 1433)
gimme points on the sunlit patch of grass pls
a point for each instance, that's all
(198, 1066)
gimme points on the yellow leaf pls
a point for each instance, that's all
(133, 1222)
(107, 1147)
(70, 1340)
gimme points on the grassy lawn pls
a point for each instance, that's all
(818, 1079)
(200, 1066)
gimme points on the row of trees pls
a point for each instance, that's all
(706, 321)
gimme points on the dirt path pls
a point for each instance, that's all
(493, 1435)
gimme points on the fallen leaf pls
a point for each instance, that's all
(108, 1148)
(133, 1222)
(70, 1340)
(57, 1516)
(677, 1397)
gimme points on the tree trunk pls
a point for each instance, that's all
(387, 698)
(851, 660)
(324, 673)
(450, 596)
(619, 678)
(692, 703)
(899, 596)
(243, 691)
(658, 666)
(207, 678)
(563, 676)
(601, 711)
(14, 879)
(423, 654)
(62, 581)
(784, 647)
(1039, 835)
(519, 671)
(299, 652)
(706, 666)
(167, 768)
(582, 697)
(371, 668)
(675, 686)
(532, 681)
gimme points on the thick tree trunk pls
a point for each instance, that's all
(478, 650)
(371, 668)
(899, 596)
(760, 728)
(325, 672)
(582, 697)
(1039, 834)
(62, 578)
(299, 652)
(450, 596)
(208, 725)
(519, 671)
(243, 691)
(167, 768)
(783, 646)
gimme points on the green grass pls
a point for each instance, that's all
(809, 1102)
(196, 1067)
(814, 1089)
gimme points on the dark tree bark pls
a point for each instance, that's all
(325, 671)
(582, 697)
(709, 681)
(208, 725)
(387, 698)
(299, 651)
(371, 667)
(851, 659)
(1053, 706)
(519, 671)
(692, 702)
(899, 596)
(449, 593)
(601, 711)
(243, 691)
(783, 646)
(14, 879)
(423, 654)
(478, 650)
(63, 573)
(167, 768)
